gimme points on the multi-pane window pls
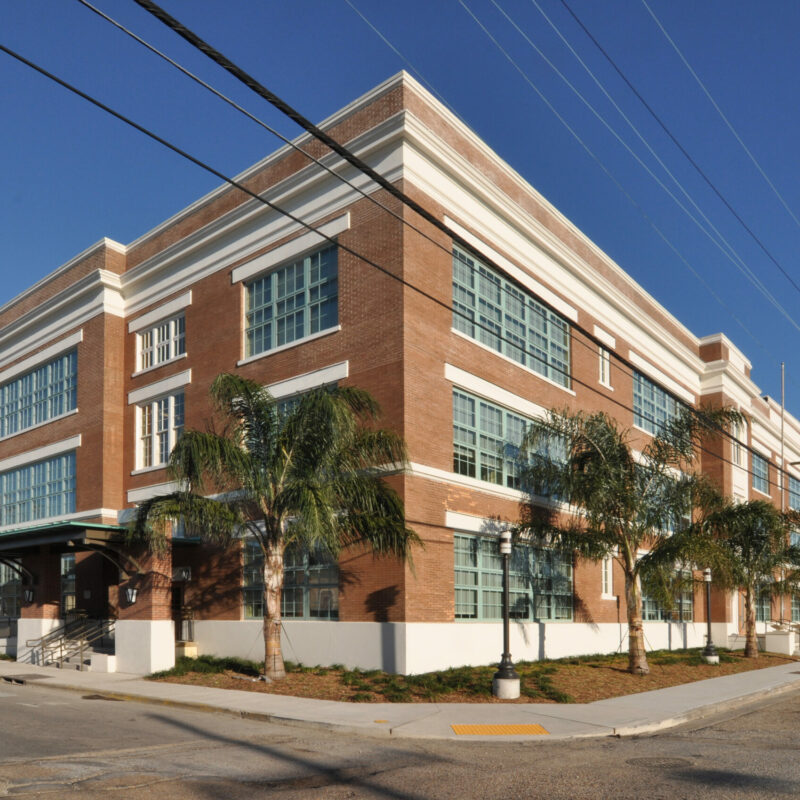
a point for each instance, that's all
(38, 491)
(795, 608)
(794, 493)
(653, 407)
(607, 576)
(310, 583)
(737, 444)
(40, 395)
(604, 368)
(162, 342)
(10, 592)
(487, 440)
(760, 473)
(160, 426)
(500, 315)
(291, 302)
(683, 604)
(763, 602)
(540, 581)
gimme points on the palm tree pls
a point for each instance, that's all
(618, 504)
(305, 473)
(747, 546)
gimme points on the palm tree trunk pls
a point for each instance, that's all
(273, 588)
(751, 642)
(637, 659)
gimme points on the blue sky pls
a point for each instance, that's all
(72, 174)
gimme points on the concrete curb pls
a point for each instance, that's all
(706, 711)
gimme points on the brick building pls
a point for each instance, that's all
(108, 358)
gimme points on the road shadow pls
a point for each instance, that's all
(360, 776)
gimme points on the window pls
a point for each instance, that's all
(604, 367)
(607, 577)
(795, 608)
(763, 601)
(162, 342)
(67, 582)
(486, 441)
(10, 592)
(43, 394)
(500, 315)
(738, 434)
(291, 302)
(310, 583)
(653, 407)
(794, 493)
(760, 473)
(38, 491)
(683, 605)
(160, 426)
(794, 538)
(540, 581)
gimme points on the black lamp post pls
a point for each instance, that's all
(505, 684)
(710, 652)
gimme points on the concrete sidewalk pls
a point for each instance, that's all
(621, 716)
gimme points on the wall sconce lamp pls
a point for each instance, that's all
(131, 593)
(27, 595)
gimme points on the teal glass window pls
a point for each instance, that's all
(794, 493)
(681, 611)
(653, 407)
(540, 581)
(47, 392)
(497, 313)
(487, 440)
(760, 472)
(310, 583)
(795, 608)
(292, 302)
(38, 491)
(763, 602)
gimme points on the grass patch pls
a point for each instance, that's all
(210, 665)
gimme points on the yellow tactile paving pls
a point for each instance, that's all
(499, 730)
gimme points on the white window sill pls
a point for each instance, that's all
(157, 366)
(608, 597)
(512, 361)
(765, 494)
(606, 386)
(38, 425)
(295, 343)
(145, 470)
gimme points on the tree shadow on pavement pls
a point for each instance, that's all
(318, 776)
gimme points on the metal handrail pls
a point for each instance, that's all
(69, 640)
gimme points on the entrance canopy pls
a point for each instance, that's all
(107, 540)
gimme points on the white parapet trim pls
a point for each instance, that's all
(144, 646)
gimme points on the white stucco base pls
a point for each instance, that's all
(28, 630)
(414, 647)
(8, 646)
(144, 646)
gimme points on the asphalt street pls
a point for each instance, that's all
(55, 742)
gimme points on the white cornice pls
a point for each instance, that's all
(96, 293)
(103, 243)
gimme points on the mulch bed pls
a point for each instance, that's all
(569, 680)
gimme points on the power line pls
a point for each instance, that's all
(721, 114)
(680, 147)
(259, 198)
(735, 259)
(272, 98)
